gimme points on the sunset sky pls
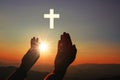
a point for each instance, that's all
(94, 26)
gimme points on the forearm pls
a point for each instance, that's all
(19, 74)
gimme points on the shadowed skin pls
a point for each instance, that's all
(28, 60)
(31, 56)
(65, 56)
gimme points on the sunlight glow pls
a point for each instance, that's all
(43, 47)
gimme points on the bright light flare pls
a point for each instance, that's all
(43, 47)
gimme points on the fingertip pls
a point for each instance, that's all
(59, 42)
(33, 37)
(64, 33)
(61, 37)
(37, 39)
(68, 38)
(68, 35)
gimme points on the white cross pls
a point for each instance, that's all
(51, 16)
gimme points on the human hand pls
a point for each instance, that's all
(31, 56)
(65, 56)
(66, 53)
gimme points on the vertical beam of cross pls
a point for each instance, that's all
(51, 16)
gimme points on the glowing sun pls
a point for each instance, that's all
(43, 46)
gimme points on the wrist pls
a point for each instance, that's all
(23, 69)
(60, 72)
(60, 68)
(20, 73)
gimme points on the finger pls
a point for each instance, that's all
(63, 39)
(37, 39)
(33, 38)
(74, 49)
(31, 42)
(37, 42)
(63, 36)
(34, 42)
(67, 38)
(59, 45)
(64, 33)
(69, 41)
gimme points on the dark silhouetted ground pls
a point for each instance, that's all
(79, 72)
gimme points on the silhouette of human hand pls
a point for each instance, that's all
(66, 51)
(65, 56)
(28, 61)
(31, 56)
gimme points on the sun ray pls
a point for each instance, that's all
(43, 47)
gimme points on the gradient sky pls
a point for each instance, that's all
(94, 26)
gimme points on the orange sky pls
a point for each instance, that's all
(87, 53)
